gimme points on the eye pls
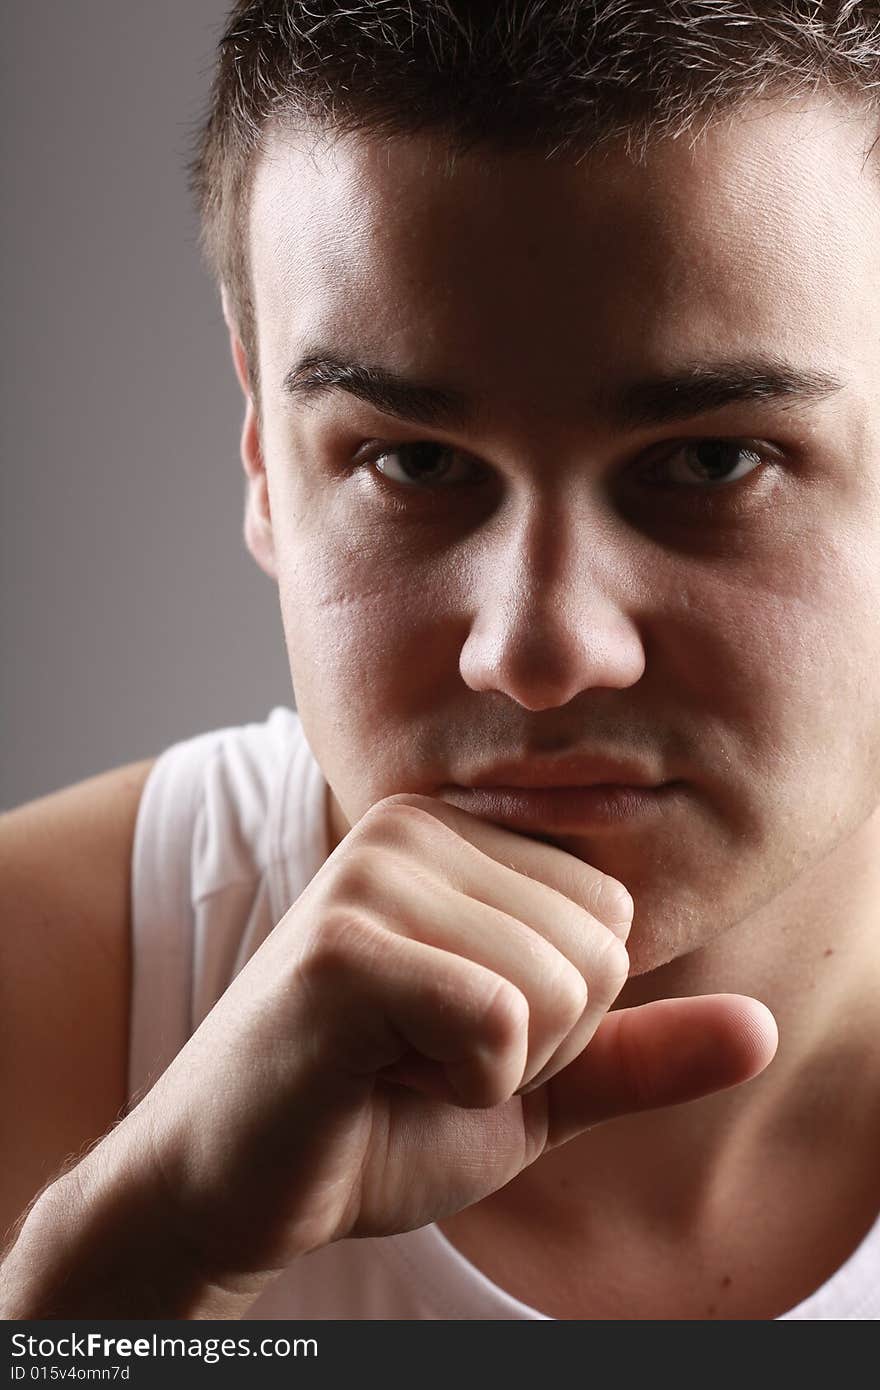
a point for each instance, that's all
(422, 464)
(708, 461)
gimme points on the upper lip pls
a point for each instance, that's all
(580, 771)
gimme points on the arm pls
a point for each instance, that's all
(64, 978)
(85, 1226)
(428, 1018)
(102, 1241)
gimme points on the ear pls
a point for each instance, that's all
(258, 534)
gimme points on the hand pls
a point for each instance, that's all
(428, 1018)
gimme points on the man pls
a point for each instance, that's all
(556, 327)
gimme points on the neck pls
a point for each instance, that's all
(813, 956)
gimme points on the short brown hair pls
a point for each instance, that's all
(563, 76)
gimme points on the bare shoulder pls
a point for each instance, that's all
(65, 909)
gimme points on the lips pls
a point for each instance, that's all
(565, 809)
(572, 771)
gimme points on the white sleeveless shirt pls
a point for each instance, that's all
(230, 830)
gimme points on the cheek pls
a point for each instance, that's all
(370, 651)
(371, 605)
(345, 627)
(780, 660)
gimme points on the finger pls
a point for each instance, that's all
(565, 1000)
(605, 979)
(375, 998)
(501, 918)
(583, 884)
(662, 1053)
(445, 891)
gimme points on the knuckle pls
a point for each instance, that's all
(355, 878)
(336, 949)
(615, 965)
(396, 818)
(607, 899)
(505, 1017)
(617, 904)
(402, 799)
(568, 993)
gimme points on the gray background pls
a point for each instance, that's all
(131, 614)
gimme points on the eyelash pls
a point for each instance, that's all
(404, 496)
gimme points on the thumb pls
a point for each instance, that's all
(662, 1053)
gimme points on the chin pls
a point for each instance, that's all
(667, 930)
(647, 956)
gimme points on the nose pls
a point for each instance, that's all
(552, 617)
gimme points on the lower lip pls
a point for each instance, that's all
(563, 810)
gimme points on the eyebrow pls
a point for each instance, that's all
(702, 388)
(319, 373)
(681, 395)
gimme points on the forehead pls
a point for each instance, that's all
(501, 266)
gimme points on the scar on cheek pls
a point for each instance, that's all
(361, 597)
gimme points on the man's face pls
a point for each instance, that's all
(551, 572)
